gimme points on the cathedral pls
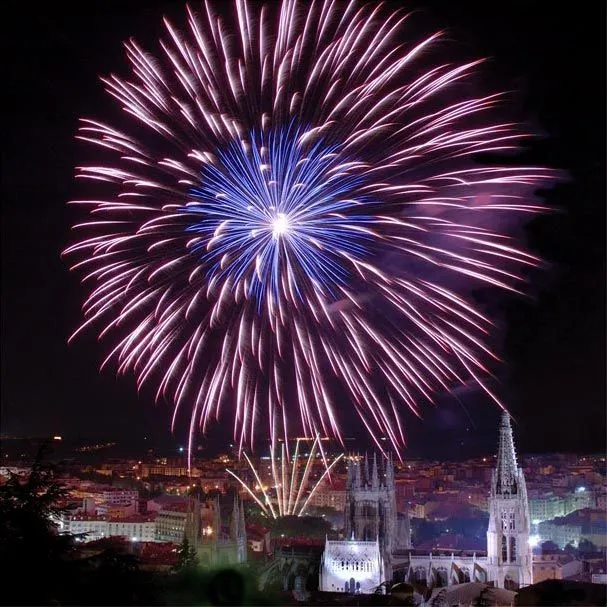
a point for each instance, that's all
(377, 538)
(509, 558)
(373, 531)
(217, 542)
(508, 563)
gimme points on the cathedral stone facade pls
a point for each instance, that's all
(373, 531)
(377, 539)
(509, 556)
(508, 563)
(217, 541)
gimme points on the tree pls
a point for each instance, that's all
(30, 513)
(41, 566)
(188, 558)
(586, 546)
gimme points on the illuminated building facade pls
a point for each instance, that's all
(217, 543)
(351, 566)
(373, 531)
(509, 562)
(89, 528)
(509, 557)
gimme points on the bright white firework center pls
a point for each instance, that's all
(280, 225)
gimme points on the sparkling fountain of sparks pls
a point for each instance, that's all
(289, 489)
(293, 213)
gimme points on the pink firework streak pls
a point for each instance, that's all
(292, 214)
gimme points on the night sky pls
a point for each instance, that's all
(554, 375)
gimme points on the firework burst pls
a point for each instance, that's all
(288, 488)
(292, 212)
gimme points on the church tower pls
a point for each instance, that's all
(509, 556)
(370, 513)
(362, 561)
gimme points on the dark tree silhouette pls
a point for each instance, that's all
(34, 556)
(188, 558)
(41, 566)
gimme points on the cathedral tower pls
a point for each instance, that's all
(362, 561)
(370, 513)
(509, 557)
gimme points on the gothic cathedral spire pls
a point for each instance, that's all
(374, 474)
(506, 470)
(508, 551)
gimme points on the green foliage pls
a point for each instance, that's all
(29, 515)
(222, 586)
(587, 546)
(188, 557)
(42, 567)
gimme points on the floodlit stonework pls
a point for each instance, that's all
(377, 540)
(509, 562)
(363, 561)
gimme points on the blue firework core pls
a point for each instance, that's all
(280, 214)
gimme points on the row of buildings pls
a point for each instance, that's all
(588, 525)
(376, 549)
(218, 538)
(429, 490)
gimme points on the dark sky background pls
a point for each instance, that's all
(554, 375)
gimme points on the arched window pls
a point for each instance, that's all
(510, 584)
(442, 577)
(512, 549)
(420, 575)
(504, 549)
(463, 575)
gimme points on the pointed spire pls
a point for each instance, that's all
(350, 471)
(506, 469)
(367, 476)
(217, 519)
(375, 475)
(357, 482)
(235, 519)
(242, 530)
(389, 471)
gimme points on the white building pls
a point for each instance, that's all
(121, 497)
(374, 531)
(351, 566)
(509, 558)
(546, 506)
(509, 554)
(561, 534)
(327, 496)
(137, 528)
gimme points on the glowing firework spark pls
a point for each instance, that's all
(289, 490)
(285, 211)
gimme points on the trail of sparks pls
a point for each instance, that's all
(289, 495)
(291, 216)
